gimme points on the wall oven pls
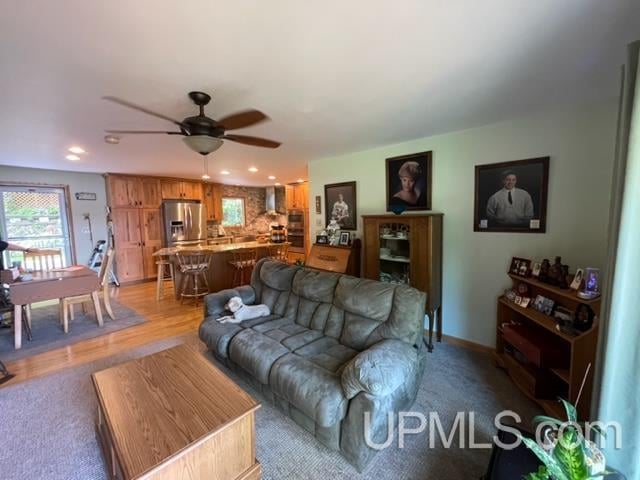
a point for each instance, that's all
(295, 230)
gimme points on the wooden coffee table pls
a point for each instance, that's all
(173, 415)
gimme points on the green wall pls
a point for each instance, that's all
(580, 142)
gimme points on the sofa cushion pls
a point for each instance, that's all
(217, 335)
(278, 275)
(327, 353)
(311, 389)
(315, 285)
(255, 353)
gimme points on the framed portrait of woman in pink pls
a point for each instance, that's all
(409, 182)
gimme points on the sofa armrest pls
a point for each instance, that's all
(380, 369)
(214, 303)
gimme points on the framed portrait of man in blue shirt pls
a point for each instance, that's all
(512, 196)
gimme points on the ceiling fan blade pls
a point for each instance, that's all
(128, 132)
(255, 141)
(125, 103)
(242, 119)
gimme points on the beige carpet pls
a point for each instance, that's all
(49, 425)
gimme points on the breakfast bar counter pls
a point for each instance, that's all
(220, 275)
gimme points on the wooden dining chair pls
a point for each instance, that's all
(43, 259)
(67, 303)
(242, 260)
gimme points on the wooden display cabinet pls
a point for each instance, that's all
(579, 350)
(407, 249)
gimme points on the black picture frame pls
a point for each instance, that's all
(333, 207)
(420, 164)
(345, 239)
(322, 239)
(530, 179)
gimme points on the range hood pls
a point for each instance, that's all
(270, 201)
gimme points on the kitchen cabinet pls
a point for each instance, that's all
(192, 190)
(181, 190)
(151, 228)
(150, 192)
(297, 196)
(128, 243)
(137, 235)
(212, 199)
(140, 192)
(123, 191)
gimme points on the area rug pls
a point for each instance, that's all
(48, 334)
(49, 425)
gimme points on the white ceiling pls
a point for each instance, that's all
(335, 76)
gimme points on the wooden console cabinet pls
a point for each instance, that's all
(407, 249)
(577, 352)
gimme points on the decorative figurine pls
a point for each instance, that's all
(544, 270)
(563, 277)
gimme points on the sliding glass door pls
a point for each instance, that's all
(34, 217)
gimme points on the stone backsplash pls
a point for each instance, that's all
(256, 219)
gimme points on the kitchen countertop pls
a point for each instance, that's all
(228, 247)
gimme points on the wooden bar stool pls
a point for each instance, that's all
(194, 267)
(278, 252)
(162, 277)
(242, 260)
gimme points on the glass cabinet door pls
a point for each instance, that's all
(395, 253)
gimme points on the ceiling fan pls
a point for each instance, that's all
(201, 133)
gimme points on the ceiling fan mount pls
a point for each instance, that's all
(203, 134)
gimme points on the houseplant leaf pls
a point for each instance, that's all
(572, 415)
(553, 466)
(569, 452)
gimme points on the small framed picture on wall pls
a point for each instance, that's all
(409, 182)
(512, 196)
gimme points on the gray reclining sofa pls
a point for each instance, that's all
(333, 348)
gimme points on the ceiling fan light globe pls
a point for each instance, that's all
(202, 144)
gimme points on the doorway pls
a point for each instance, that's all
(35, 217)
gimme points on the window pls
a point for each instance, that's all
(232, 212)
(35, 217)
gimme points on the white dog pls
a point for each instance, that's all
(243, 312)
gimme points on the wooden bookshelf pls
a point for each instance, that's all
(580, 350)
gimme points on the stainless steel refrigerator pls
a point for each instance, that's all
(185, 223)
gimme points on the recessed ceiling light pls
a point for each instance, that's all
(76, 149)
(300, 180)
(72, 157)
(253, 169)
(271, 177)
(205, 177)
(112, 139)
(277, 184)
(224, 172)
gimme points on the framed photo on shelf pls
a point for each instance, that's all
(408, 181)
(340, 204)
(577, 279)
(322, 239)
(512, 196)
(345, 238)
(520, 267)
(535, 270)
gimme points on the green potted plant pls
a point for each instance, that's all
(566, 453)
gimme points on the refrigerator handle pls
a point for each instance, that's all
(190, 217)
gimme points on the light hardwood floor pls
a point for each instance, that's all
(166, 318)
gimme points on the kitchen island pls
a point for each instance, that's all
(220, 274)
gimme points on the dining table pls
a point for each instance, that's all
(53, 284)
